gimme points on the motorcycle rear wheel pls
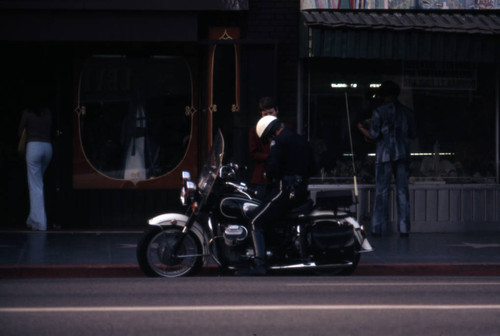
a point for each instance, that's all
(155, 256)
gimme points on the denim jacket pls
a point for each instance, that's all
(392, 125)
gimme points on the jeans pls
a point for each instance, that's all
(38, 156)
(383, 175)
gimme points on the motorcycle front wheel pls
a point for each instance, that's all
(156, 258)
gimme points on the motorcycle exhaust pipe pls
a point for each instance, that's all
(310, 265)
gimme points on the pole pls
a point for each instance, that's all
(352, 150)
(497, 125)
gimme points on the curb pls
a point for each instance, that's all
(70, 271)
(133, 271)
(426, 269)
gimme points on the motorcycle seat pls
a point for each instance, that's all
(302, 209)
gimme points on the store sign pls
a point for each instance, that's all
(439, 76)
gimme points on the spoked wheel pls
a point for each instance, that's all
(156, 258)
(350, 254)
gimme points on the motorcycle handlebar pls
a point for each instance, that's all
(239, 186)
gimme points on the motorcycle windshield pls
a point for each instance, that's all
(211, 167)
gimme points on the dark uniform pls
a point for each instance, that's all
(289, 166)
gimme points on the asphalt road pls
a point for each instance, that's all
(252, 306)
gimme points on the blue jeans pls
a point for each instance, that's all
(383, 175)
(38, 156)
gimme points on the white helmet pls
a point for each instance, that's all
(267, 126)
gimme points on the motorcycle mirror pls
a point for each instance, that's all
(186, 176)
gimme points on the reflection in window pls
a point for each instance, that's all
(133, 125)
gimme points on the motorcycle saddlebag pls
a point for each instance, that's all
(331, 234)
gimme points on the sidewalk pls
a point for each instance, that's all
(25, 254)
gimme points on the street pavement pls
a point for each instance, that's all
(27, 254)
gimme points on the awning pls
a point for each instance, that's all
(405, 35)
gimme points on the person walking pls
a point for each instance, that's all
(392, 125)
(37, 122)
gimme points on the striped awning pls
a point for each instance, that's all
(444, 35)
(442, 21)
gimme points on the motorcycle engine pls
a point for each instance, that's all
(235, 235)
(235, 248)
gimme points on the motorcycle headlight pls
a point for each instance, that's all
(187, 192)
(183, 196)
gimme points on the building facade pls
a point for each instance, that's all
(138, 89)
(445, 55)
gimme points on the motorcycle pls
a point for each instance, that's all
(216, 229)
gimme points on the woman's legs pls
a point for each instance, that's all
(38, 156)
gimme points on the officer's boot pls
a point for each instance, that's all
(259, 264)
(260, 252)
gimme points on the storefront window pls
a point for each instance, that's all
(134, 121)
(454, 106)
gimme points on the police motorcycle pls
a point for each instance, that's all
(216, 229)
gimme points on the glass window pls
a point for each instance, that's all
(454, 107)
(134, 124)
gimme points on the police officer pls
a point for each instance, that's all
(289, 166)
